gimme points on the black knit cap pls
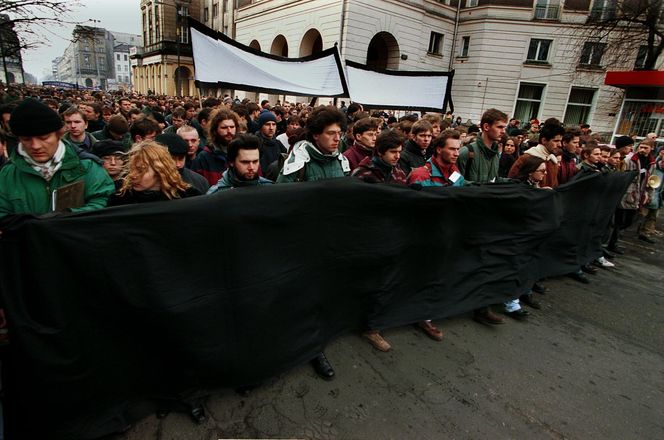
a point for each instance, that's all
(623, 141)
(175, 144)
(108, 147)
(34, 118)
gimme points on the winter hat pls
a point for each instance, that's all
(34, 118)
(175, 144)
(623, 141)
(108, 147)
(266, 116)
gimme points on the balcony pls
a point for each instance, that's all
(163, 48)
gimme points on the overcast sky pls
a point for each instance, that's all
(114, 15)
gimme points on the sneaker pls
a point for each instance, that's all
(377, 340)
(603, 262)
(431, 330)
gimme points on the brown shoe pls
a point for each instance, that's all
(431, 330)
(377, 340)
(486, 316)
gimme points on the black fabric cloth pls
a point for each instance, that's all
(89, 347)
(132, 197)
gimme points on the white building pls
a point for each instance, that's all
(528, 58)
(122, 67)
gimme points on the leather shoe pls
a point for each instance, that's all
(431, 330)
(377, 340)
(589, 269)
(519, 315)
(486, 316)
(580, 277)
(539, 288)
(323, 367)
(646, 239)
(530, 301)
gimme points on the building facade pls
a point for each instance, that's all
(11, 67)
(165, 65)
(529, 58)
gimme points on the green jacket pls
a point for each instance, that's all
(305, 164)
(484, 164)
(24, 191)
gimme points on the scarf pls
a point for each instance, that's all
(46, 169)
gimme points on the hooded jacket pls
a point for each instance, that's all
(550, 161)
(306, 163)
(210, 163)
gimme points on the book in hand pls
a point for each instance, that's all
(68, 196)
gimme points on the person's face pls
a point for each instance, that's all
(6, 117)
(614, 159)
(192, 140)
(134, 117)
(651, 136)
(368, 138)
(191, 112)
(226, 130)
(519, 139)
(41, 148)
(436, 130)
(107, 117)
(144, 179)
(246, 164)
(462, 137)
(534, 128)
(643, 149)
(291, 127)
(179, 160)
(269, 129)
(178, 122)
(423, 139)
(392, 155)
(328, 140)
(113, 164)
(554, 144)
(450, 153)
(585, 130)
(75, 125)
(509, 147)
(89, 112)
(572, 146)
(495, 131)
(604, 158)
(538, 174)
(594, 157)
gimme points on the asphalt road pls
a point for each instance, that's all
(589, 365)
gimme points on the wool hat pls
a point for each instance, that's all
(266, 116)
(623, 141)
(108, 147)
(175, 144)
(34, 118)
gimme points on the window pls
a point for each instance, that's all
(117, 56)
(215, 10)
(183, 28)
(471, 3)
(538, 50)
(101, 63)
(206, 14)
(547, 9)
(641, 58)
(591, 54)
(86, 60)
(125, 57)
(603, 10)
(465, 45)
(435, 44)
(157, 30)
(528, 101)
(578, 106)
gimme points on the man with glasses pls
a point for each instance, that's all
(318, 158)
(113, 154)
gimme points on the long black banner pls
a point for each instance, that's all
(112, 308)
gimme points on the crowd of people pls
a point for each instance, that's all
(75, 151)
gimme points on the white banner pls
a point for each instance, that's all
(398, 89)
(221, 61)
